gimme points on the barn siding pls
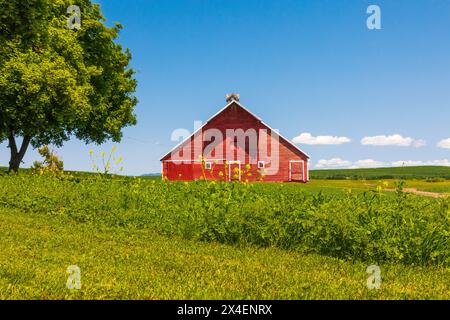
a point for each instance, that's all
(233, 117)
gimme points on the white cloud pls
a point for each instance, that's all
(393, 140)
(333, 163)
(443, 162)
(368, 163)
(419, 143)
(444, 144)
(308, 138)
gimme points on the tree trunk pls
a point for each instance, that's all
(17, 155)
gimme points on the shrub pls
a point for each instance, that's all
(52, 164)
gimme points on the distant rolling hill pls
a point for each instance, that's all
(423, 172)
(151, 175)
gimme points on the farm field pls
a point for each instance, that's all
(387, 184)
(139, 238)
(124, 263)
(422, 172)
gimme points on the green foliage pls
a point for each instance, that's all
(370, 226)
(56, 82)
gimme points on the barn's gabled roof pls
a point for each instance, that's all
(251, 113)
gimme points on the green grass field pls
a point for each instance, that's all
(143, 238)
(424, 172)
(123, 263)
(340, 185)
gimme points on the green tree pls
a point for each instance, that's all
(56, 82)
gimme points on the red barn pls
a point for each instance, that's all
(236, 145)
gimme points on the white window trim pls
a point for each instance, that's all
(208, 165)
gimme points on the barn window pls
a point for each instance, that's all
(261, 164)
(208, 165)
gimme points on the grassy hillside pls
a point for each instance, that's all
(126, 263)
(140, 238)
(425, 172)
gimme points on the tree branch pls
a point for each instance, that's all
(12, 142)
(24, 147)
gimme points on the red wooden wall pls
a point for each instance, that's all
(236, 117)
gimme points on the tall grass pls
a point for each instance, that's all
(370, 226)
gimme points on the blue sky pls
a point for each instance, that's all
(303, 66)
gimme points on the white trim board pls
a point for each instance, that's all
(229, 169)
(290, 169)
